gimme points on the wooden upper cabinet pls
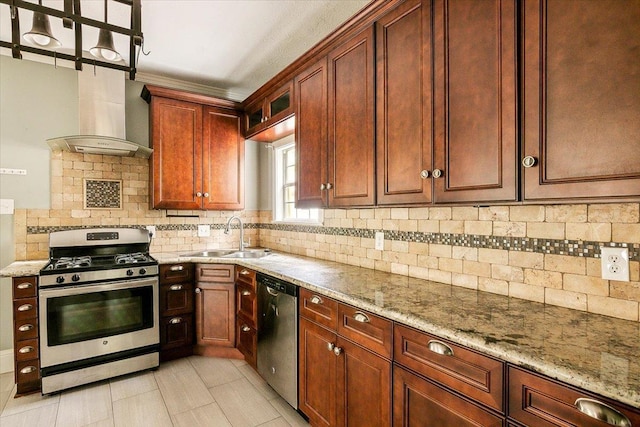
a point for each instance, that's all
(267, 112)
(404, 104)
(198, 158)
(311, 135)
(475, 156)
(351, 117)
(581, 121)
(223, 160)
(176, 139)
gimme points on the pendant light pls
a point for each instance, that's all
(105, 49)
(40, 33)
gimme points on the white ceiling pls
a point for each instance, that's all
(226, 47)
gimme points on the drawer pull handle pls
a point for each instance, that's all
(177, 268)
(246, 293)
(361, 317)
(316, 300)
(26, 349)
(244, 272)
(440, 348)
(245, 328)
(27, 369)
(25, 328)
(25, 307)
(175, 288)
(25, 285)
(175, 320)
(602, 411)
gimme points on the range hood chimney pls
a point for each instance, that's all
(101, 115)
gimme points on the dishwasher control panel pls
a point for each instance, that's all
(278, 284)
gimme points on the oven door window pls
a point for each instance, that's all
(93, 315)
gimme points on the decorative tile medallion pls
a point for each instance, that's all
(103, 194)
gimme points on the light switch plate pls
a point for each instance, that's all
(6, 206)
(204, 230)
(615, 263)
(379, 244)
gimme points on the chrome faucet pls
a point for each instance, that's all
(228, 229)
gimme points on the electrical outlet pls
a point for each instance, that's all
(151, 229)
(379, 244)
(615, 263)
(204, 230)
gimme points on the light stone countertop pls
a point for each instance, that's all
(594, 352)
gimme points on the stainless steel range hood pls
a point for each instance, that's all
(101, 115)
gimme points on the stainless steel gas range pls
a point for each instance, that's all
(98, 306)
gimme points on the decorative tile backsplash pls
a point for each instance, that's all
(545, 253)
(102, 194)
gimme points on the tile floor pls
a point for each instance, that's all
(190, 392)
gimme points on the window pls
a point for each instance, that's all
(285, 187)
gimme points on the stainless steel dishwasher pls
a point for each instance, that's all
(278, 336)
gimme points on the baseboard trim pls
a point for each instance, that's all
(6, 361)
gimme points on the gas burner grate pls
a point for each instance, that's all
(72, 262)
(131, 258)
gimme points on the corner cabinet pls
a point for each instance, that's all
(581, 116)
(335, 127)
(198, 158)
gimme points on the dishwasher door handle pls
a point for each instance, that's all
(272, 292)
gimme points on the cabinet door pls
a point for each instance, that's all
(215, 314)
(418, 402)
(279, 104)
(311, 136)
(581, 103)
(351, 122)
(223, 160)
(254, 118)
(404, 102)
(317, 374)
(364, 387)
(176, 165)
(475, 98)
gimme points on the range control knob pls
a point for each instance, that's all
(75, 277)
(129, 272)
(60, 279)
(143, 271)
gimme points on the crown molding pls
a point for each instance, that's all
(172, 83)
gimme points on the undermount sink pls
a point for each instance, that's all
(229, 253)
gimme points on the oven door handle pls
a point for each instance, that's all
(97, 287)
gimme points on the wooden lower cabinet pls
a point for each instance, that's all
(25, 335)
(176, 311)
(247, 315)
(419, 402)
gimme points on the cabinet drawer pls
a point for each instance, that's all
(370, 331)
(246, 276)
(320, 309)
(247, 341)
(215, 273)
(247, 303)
(416, 400)
(24, 287)
(26, 350)
(465, 371)
(26, 329)
(176, 331)
(25, 308)
(173, 273)
(176, 299)
(538, 401)
(27, 371)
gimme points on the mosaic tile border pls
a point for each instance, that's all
(588, 249)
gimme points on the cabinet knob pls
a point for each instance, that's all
(529, 161)
(323, 187)
(329, 186)
(245, 328)
(206, 194)
(424, 174)
(330, 346)
(440, 348)
(175, 320)
(175, 288)
(437, 173)
(199, 194)
(602, 411)
(359, 316)
(337, 351)
(25, 285)
(198, 290)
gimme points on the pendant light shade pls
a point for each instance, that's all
(40, 33)
(105, 49)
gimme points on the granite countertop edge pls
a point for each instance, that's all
(501, 350)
